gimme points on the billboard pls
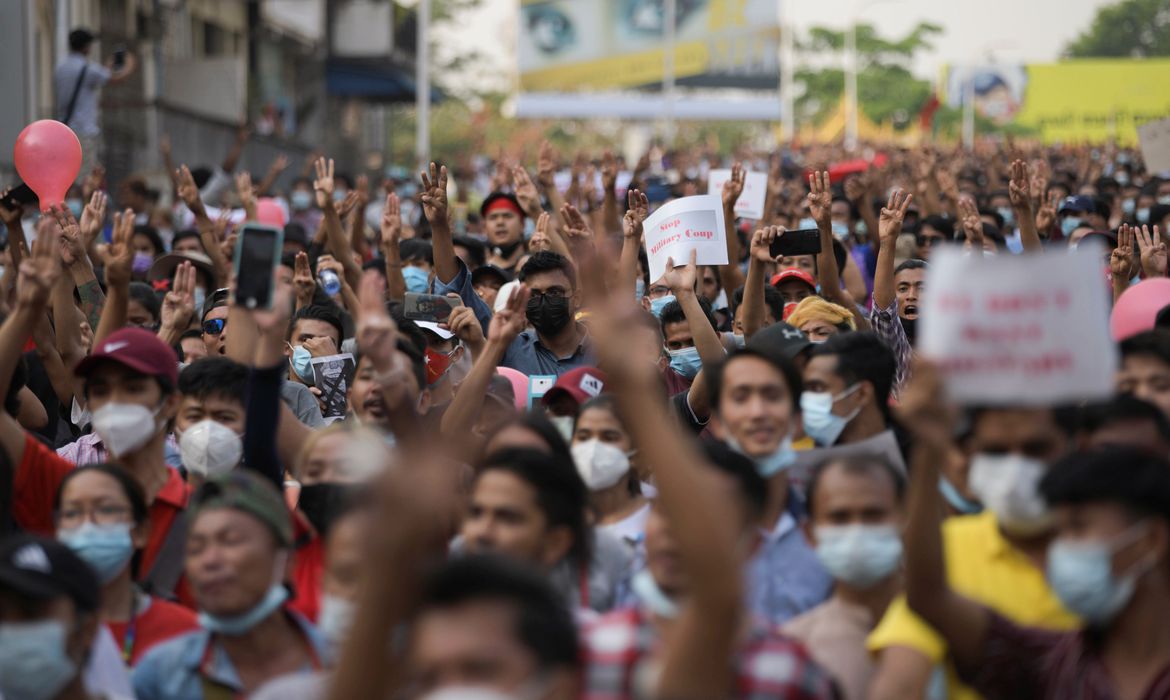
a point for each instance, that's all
(1072, 101)
(574, 45)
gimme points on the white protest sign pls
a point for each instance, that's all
(1018, 330)
(1155, 140)
(678, 227)
(750, 204)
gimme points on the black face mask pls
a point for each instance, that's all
(910, 325)
(548, 315)
(321, 503)
(505, 251)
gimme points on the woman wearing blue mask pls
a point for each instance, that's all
(102, 517)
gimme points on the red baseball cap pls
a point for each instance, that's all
(138, 349)
(580, 384)
(793, 273)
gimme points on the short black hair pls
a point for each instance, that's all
(560, 493)
(784, 367)
(855, 464)
(862, 357)
(538, 422)
(673, 313)
(543, 622)
(1153, 343)
(475, 250)
(911, 264)
(80, 39)
(319, 312)
(773, 299)
(143, 293)
(151, 233)
(1128, 476)
(185, 233)
(941, 224)
(752, 488)
(1126, 409)
(548, 261)
(214, 376)
(416, 249)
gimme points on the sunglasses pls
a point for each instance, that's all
(214, 326)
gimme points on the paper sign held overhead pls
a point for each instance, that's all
(1018, 330)
(1155, 140)
(678, 227)
(750, 204)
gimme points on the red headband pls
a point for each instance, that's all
(504, 203)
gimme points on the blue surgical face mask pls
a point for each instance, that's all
(859, 555)
(807, 223)
(651, 596)
(340, 194)
(657, 305)
(74, 206)
(820, 423)
(529, 228)
(1081, 574)
(1142, 215)
(1069, 224)
(956, 500)
(1164, 199)
(302, 363)
(33, 662)
(300, 200)
(739, 340)
(241, 624)
(1009, 216)
(106, 548)
(639, 289)
(1122, 178)
(417, 279)
(772, 464)
(686, 361)
(200, 297)
(840, 229)
(1128, 206)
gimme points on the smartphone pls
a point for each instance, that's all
(119, 57)
(19, 196)
(428, 307)
(258, 250)
(805, 241)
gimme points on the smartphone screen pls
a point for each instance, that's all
(257, 255)
(19, 196)
(800, 242)
(119, 57)
(428, 307)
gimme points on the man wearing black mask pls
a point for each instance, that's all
(557, 343)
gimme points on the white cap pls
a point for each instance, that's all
(434, 328)
(505, 292)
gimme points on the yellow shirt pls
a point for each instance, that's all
(984, 567)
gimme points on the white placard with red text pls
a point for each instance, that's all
(750, 204)
(1018, 330)
(686, 224)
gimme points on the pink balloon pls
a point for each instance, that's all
(519, 385)
(48, 158)
(1138, 307)
(269, 213)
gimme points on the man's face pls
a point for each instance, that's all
(137, 315)
(1142, 434)
(709, 285)
(798, 262)
(755, 405)
(645, 345)
(839, 211)
(366, 399)
(345, 556)
(678, 336)
(794, 290)
(504, 226)
(111, 382)
(142, 244)
(190, 244)
(215, 343)
(820, 376)
(1147, 378)
(487, 289)
(193, 349)
(553, 282)
(232, 561)
(473, 644)
(907, 290)
(418, 263)
(221, 409)
(284, 274)
(80, 629)
(847, 497)
(1109, 522)
(819, 330)
(308, 328)
(1021, 431)
(504, 517)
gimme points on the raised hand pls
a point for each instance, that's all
(434, 194)
(178, 305)
(856, 188)
(247, 193)
(376, 333)
(93, 181)
(92, 218)
(775, 176)
(361, 186)
(466, 327)
(890, 221)
(525, 191)
(9, 216)
(820, 197)
(391, 224)
(546, 165)
(1019, 190)
(540, 240)
(972, 224)
(761, 245)
(638, 209)
(323, 183)
(71, 245)
(1046, 215)
(188, 192)
(348, 204)
(38, 273)
(681, 280)
(303, 283)
(609, 171)
(1121, 261)
(1039, 181)
(576, 229)
(923, 407)
(1153, 251)
(120, 253)
(511, 320)
(733, 188)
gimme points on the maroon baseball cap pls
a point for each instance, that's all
(138, 349)
(580, 384)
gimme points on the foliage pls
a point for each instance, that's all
(1130, 28)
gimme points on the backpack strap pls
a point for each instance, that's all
(168, 565)
(76, 91)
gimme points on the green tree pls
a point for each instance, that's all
(1131, 28)
(886, 89)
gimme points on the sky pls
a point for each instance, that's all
(1009, 31)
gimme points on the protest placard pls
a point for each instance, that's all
(333, 375)
(677, 228)
(1027, 330)
(1155, 140)
(750, 204)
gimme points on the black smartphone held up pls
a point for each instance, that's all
(805, 241)
(19, 196)
(258, 251)
(119, 57)
(428, 307)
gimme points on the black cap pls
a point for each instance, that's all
(781, 337)
(494, 197)
(42, 569)
(294, 232)
(486, 271)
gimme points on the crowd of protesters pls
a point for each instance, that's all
(732, 481)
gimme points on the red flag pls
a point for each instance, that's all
(926, 114)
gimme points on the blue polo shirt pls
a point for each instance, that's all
(528, 355)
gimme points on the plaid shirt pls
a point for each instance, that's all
(888, 327)
(619, 662)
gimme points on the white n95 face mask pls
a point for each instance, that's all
(600, 464)
(209, 448)
(124, 427)
(1007, 485)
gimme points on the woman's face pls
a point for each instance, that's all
(324, 461)
(94, 497)
(601, 424)
(819, 331)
